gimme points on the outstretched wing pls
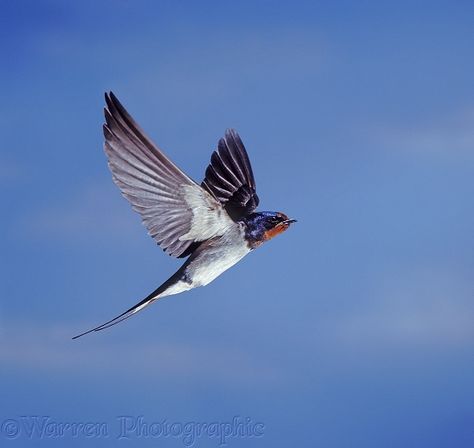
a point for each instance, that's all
(176, 211)
(229, 177)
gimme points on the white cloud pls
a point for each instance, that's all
(452, 138)
(96, 213)
(429, 309)
(192, 74)
(27, 346)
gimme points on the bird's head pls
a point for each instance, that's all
(264, 226)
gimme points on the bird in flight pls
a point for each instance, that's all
(213, 224)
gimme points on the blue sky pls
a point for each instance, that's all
(354, 328)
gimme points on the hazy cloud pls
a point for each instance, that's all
(452, 138)
(27, 346)
(97, 212)
(429, 308)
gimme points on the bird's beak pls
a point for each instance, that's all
(289, 221)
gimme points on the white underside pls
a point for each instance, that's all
(219, 255)
(177, 288)
(216, 263)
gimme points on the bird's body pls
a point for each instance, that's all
(217, 255)
(210, 260)
(213, 224)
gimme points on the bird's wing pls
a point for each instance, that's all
(176, 210)
(229, 177)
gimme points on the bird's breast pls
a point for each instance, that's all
(216, 256)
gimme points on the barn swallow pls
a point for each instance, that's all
(213, 224)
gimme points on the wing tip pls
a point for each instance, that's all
(231, 132)
(109, 94)
(114, 106)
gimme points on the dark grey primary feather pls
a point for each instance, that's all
(229, 177)
(153, 184)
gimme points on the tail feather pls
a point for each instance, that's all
(155, 295)
(129, 313)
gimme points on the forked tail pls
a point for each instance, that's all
(155, 295)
